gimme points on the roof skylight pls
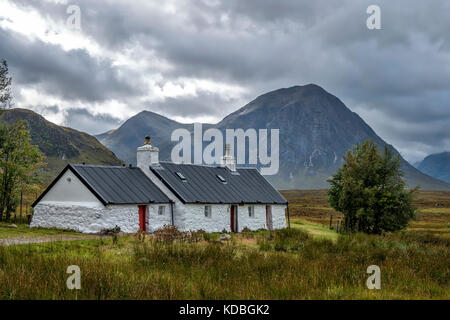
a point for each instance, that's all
(222, 179)
(181, 176)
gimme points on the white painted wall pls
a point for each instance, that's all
(94, 219)
(193, 218)
(69, 189)
(86, 219)
(279, 216)
(155, 220)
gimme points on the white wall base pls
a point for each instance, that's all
(86, 219)
(187, 217)
(192, 217)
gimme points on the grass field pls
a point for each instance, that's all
(23, 231)
(308, 261)
(433, 214)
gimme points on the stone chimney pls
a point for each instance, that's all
(228, 160)
(147, 155)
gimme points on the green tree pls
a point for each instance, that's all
(5, 86)
(19, 161)
(370, 192)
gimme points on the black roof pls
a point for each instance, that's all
(210, 184)
(115, 184)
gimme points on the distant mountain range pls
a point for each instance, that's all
(436, 165)
(316, 130)
(60, 145)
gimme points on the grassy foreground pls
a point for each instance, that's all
(309, 261)
(286, 264)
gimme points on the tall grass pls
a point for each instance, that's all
(288, 265)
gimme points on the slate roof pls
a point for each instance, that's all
(115, 184)
(202, 184)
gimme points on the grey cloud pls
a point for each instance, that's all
(402, 71)
(203, 104)
(72, 75)
(83, 120)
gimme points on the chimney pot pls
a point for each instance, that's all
(147, 155)
(228, 160)
(227, 149)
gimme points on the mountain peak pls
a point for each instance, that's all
(306, 89)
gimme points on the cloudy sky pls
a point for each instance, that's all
(199, 60)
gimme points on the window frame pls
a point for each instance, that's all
(161, 210)
(207, 211)
(251, 211)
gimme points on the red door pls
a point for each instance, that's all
(233, 218)
(142, 217)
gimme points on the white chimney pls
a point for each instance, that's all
(147, 155)
(228, 159)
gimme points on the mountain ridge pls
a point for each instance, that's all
(60, 144)
(316, 130)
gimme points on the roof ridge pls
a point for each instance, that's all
(98, 165)
(204, 165)
(192, 164)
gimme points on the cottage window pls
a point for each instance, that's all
(251, 211)
(161, 210)
(208, 211)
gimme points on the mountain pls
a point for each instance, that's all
(316, 130)
(60, 145)
(130, 135)
(436, 165)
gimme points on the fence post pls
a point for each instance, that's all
(331, 221)
(21, 199)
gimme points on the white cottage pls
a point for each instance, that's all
(153, 194)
